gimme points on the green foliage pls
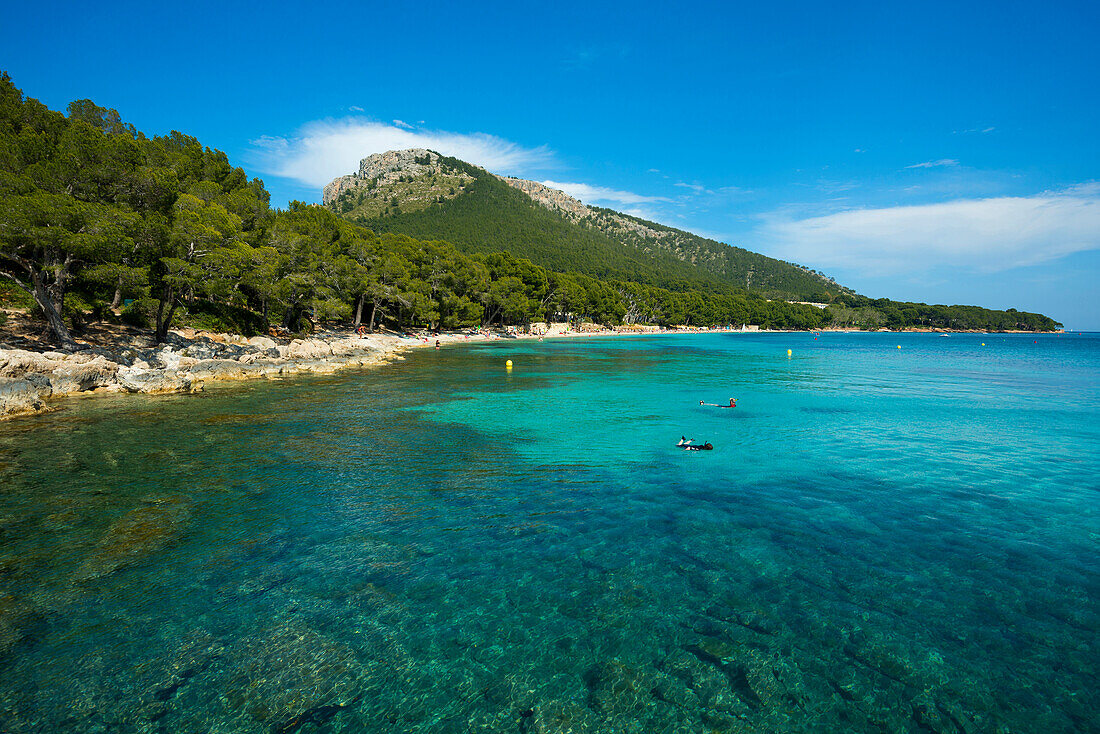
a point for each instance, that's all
(12, 296)
(862, 312)
(93, 213)
(141, 312)
(489, 215)
(220, 317)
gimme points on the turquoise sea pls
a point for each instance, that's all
(882, 540)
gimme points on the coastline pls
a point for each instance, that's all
(34, 381)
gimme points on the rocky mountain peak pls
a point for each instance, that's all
(552, 199)
(411, 160)
(417, 175)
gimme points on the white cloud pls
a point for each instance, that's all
(641, 212)
(941, 163)
(588, 193)
(975, 235)
(355, 108)
(697, 188)
(323, 150)
(402, 123)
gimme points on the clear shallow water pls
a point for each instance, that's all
(882, 539)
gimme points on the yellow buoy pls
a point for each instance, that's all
(983, 344)
(899, 346)
(788, 352)
(508, 363)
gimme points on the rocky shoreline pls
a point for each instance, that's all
(30, 381)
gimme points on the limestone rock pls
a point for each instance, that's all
(155, 381)
(83, 375)
(20, 396)
(18, 362)
(218, 369)
(263, 342)
(308, 349)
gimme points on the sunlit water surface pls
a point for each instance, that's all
(882, 539)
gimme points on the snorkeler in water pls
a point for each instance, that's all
(733, 404)
(684, 441)
(703, 447)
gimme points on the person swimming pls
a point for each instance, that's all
(703, 447)
(733, 404)
(684, 441)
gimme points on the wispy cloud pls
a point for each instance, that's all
(975, 235)
(322, 150)
(582, 58)
(403, 124)
(697, 188)
(589, 194)
(941, 163)
(355, 108)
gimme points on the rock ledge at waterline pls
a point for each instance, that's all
(29, 380)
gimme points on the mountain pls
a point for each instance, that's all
(429, 196)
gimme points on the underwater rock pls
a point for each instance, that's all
(558, 717)
(136, 535)
(717, 685)
(291, 675)
(617, 688)
(12, 617)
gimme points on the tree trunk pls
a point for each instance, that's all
(52, 311)
(373, 310)
(117, 300)
(164, 318)
(359, 311)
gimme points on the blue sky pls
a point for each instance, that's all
(939, 152)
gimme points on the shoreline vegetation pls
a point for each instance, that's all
(131, 263)
(34, 375)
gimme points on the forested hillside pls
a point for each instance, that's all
(100, 222)
(423, 194)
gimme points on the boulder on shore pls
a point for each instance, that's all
(157, 381)
(21, 396)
